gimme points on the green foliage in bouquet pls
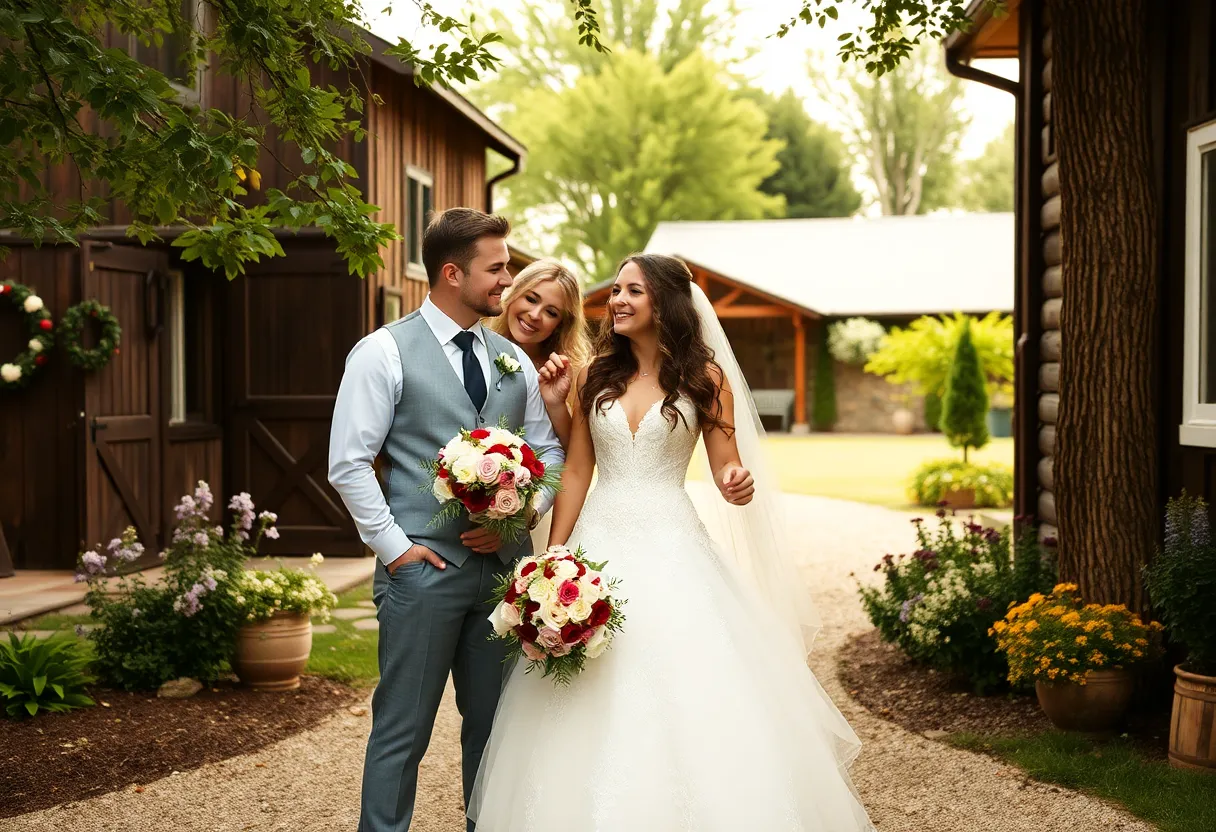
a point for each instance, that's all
(992, 484)
(1181, 581)
(938, 603)
(45, 674)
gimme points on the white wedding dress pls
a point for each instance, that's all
(702, 715)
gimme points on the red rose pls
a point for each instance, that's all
(549, 573)
(588, 634)
(572, 632)
(501, 450)
(601, 611)
(442, 473)
(512, 596)
(479, 434)
(528, 570)
(527, 632)
(531, 608)
(567, 593)
(459, 489)
(477, 503)
(582, 570)
(596, 582)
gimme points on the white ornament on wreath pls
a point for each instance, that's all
(32, 304)
(10, 373)
(35, 345)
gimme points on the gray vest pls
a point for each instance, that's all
(433, 408)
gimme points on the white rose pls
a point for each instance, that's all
(456, 449)
(442, 490)
(510, 615)
(35, 345)
(522, 475)
(508, 364)
(580, 610)
(554, 615)
(499, 621)
(558, 551)
(519, 567)
(517, 454)
(542, 590)
(598, 643)
(10, 372)
(498, 436)
(465, 470)
(32, 304)
(590, 591)
(565, 570)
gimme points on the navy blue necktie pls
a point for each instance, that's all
(474, 378)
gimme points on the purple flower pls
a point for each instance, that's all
(242, 536)
(80, 631)
(135, 612)
(209, 582)
(272, 533)
(905, 610)
(916, 521)
(941, 512)
(218, 531)
(268, 517)
(204, 497)
(1050, 542)
(973, 528)
(943, 503)
(201, 539)
(984, 603)
(185, 508)
(115, 544)
(80, 578)
(93, 562)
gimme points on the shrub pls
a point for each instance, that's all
(921, 354)
(823, 404)
(853, 341)
(938, 603)
(933, 411)
(42, 675)
(260, 593)
(1181, 582)
(1057, 637)
(992, 484)
(185, 625)
(965, 405)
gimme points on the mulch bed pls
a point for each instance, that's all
(926, 702)
(136, 738)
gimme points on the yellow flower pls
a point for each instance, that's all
(1063, 588)
(1090, 626)
(1071, 619)
(1057, 610)
(1097, 658)
(1031, 626)
(1081, 640)
(1137, 653)
(1142, 641)
(1073, 660)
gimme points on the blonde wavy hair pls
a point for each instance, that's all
(570, 338)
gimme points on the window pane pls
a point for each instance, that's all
(168, 57)
(197, 365)
(1207, 280)
(413, 222)
(177, 350)
(426, 205)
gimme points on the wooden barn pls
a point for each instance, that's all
(1116, 350)
(231, 382)
(777, 285)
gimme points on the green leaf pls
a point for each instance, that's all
(39, 685)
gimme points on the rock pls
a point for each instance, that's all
(357, 710)
(182, 688)
(936, 734)
(367, 624)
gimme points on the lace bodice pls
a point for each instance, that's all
(657, 455)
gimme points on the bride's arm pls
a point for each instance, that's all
(732, 479)
(576, 478)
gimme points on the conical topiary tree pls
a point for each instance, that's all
(823, 401)
(965, 405)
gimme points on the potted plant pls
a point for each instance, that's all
(956, 484)
(1181, 583)
(273, 645)
(1081, 657)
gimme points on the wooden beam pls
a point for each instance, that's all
(799, 371)
(703, 282)
(726, 300)
(6, 559)
(756, 311)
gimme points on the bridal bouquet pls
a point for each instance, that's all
(493, 475)
(557, 610)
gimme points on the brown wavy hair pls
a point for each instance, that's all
(686, 363)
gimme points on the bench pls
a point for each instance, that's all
(777, 403)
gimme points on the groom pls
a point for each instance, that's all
(408, 388)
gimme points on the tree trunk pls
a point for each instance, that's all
(1106, 461)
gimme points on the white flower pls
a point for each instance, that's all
(565, 570)
(499, 621)
(554, 615)
(32, 304)
(10, 372)
(498, 436)
(465, 470)
(35, 345)
(507, 365)
(558, 551)
(519, 567)
(442, 489)
(542, 590)
(580, 610)
(592, 592)
(458, 448)
(317, 557)
(598, 643)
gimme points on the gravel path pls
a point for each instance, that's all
(909, 784)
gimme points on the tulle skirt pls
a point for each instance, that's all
(702, 715)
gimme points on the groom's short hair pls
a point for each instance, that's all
(451, 237)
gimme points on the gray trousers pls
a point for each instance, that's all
(432, 622)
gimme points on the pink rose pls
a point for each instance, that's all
(487, 469)
(507, 502)
(521, 586)
(588, 634)
(522, 476)
(532, 652)
(510, 615)
(506, 479)
(568, 593)
(549, 639)
(562, 649)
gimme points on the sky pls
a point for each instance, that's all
(779, 63)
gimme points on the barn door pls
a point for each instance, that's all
(292, 321)
(123, 421)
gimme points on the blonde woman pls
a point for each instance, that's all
(542, 312)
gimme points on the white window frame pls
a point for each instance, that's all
(175, 295)
(415, 220)
(1198, 426)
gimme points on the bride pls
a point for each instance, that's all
(702, 715)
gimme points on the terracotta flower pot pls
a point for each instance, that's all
(271, 654)
(903, 421)
(1098, 705)
(1193, 722)
(959, 499)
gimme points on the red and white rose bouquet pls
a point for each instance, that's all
(493, 475)
(558, 610)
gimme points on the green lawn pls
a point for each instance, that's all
(866, 468)
(1172, 799)
(347, 655)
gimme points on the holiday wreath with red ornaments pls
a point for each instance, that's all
(17, 372)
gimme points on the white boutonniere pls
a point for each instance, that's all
(507, 367)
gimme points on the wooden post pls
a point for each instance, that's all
(6, 560)
(800, 424)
